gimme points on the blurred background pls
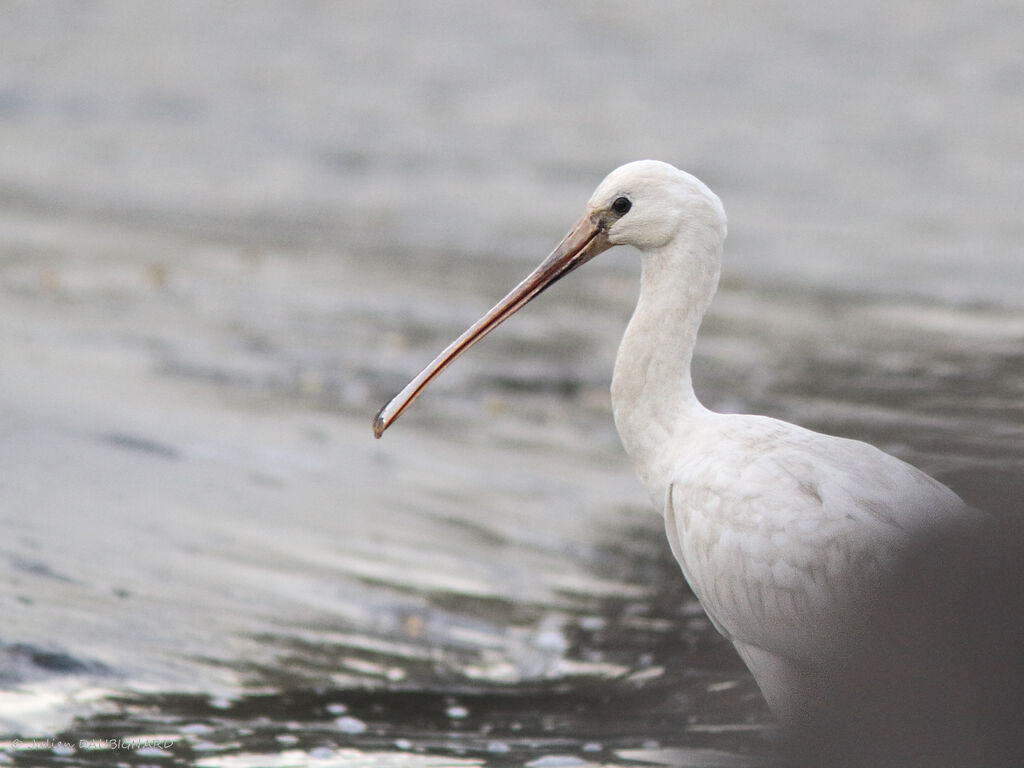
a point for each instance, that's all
(229, 232)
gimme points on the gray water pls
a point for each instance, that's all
(231, 231)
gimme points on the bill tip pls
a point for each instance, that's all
(378, 424)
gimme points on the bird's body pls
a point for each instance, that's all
(785, 535)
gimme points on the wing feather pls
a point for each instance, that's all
(786, 535)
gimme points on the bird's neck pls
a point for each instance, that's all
(652, 392)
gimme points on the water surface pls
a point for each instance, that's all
(230, 234)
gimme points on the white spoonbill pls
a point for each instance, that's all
(785, 535)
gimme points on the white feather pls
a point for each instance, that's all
(785, 535)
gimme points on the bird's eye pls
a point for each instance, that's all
(621, 205)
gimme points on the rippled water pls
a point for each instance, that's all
(230, 233)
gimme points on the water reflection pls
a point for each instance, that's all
(548, 724)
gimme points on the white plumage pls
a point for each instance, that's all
(786, 536)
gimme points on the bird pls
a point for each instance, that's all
(789, 538)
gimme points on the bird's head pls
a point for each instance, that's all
(648, 203)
